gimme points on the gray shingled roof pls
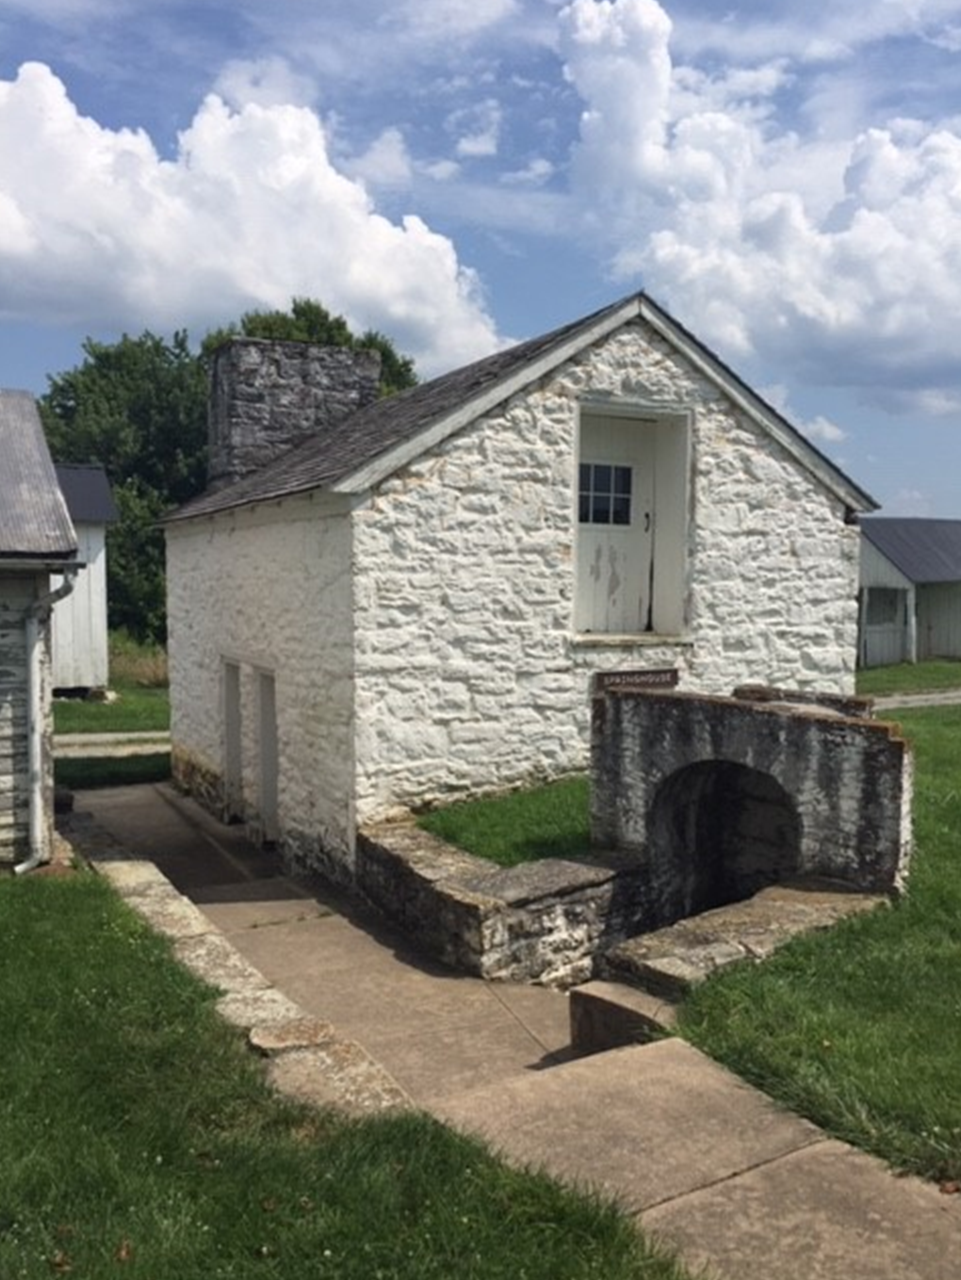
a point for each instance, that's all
(87, 492)
(923, 550)
(34, 521)
(341, 451)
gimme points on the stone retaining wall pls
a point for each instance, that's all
(539, 922)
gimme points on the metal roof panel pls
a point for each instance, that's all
(87, 492)
(34, 521)
(924, 550)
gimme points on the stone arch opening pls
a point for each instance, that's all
(718, 833)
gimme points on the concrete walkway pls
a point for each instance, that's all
(348, 1014)
(940, 698)
(84, 745)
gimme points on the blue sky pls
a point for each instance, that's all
(785, 179)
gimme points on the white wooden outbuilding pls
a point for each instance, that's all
(910, 590)
(80, 651)
(37, 540)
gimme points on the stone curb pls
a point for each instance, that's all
(307, 1059)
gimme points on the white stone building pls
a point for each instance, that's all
(408, 605)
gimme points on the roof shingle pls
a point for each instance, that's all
(87, 492)
(341, 451)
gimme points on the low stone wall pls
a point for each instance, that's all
(539, 922)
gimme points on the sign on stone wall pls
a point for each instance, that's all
(635, 681)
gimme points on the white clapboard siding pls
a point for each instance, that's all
(80, 620)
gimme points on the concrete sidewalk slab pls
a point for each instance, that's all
(644, 1124)
(826, 1212)
(716, 1171)
(441, 1031)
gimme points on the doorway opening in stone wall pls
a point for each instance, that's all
(233, 806)
(718, 833)
(269, 758)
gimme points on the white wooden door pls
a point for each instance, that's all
(616, 527)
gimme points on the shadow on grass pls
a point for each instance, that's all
(111, 771)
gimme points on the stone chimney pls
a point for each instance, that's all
(267, 396)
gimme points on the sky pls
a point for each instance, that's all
(784, 179)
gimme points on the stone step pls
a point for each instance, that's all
(667, 962)
(607, 1015)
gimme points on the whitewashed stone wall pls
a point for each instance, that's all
(468, 676)
(268, 589)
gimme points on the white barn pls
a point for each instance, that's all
(910, 590)
(408, 605)
(80, 647)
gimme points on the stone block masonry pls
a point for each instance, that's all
(268, 396)
(420, 639)
(716, 798)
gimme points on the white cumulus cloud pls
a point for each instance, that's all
(251, 211)
(835, 255)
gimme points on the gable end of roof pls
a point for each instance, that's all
(376, 441)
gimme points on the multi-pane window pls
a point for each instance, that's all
(604, 494)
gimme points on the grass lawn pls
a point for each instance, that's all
(136, 710)
(910, 677)
(111, 771)
(547, 822)
(138, 675)
(137, 1139)
(858, 1027)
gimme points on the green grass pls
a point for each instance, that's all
(547, 822)
(111, 771)
(137, 1138)
(136, 710)
(910, 677)
(138, 676)
(858, 1027)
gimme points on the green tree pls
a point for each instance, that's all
(309, 321)
(137, 407)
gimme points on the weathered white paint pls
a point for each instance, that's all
(268, 591)
(423, 644)
(939, 620)
(469, 673)
(615, 562)
(17, 593)
(80, 657)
